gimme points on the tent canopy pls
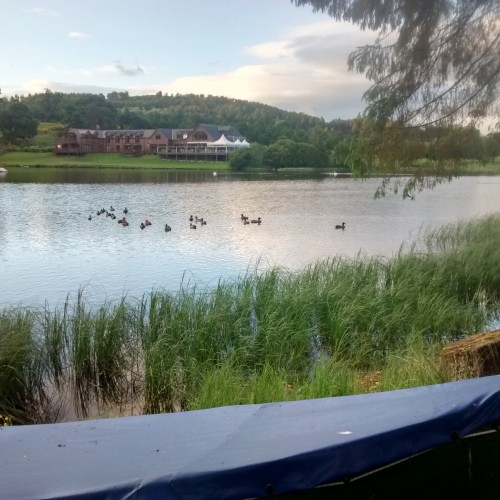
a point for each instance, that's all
(222, 141)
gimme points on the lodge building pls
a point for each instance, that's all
(204, 142)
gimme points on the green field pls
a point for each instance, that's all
(102, 160)
(113, 160)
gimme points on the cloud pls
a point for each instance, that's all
(77, 34)
(116, 69)
(304, 71)
(129, 71)
(39, 86)
(316, 91)
(41, 11)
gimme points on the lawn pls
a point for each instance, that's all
(19, 158)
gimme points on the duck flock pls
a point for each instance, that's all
(194, 220)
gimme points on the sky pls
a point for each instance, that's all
(268, 51)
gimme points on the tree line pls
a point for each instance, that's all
(279, 138)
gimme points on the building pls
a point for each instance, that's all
(204, 142)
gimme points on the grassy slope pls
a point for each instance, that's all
(102, 160)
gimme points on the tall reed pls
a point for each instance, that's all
(278, 334)
(22, 372)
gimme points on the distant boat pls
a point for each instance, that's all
(3, 170)
(340, 174)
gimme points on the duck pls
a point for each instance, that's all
(340, 226)
(167, 228)
(192, 226)
(124, 223)
(142, 226)
(203, 222)
(191, 218)
(244, 218)
(111, 208)
(246, 222)
(125, 210)
(256, 221)
(147, 222)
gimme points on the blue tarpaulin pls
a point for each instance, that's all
(240, 451)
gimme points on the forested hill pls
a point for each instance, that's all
(258, 122)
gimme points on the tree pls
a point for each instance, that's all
(432, 61)
(247, 158)
(281, 154)
(17, 123)
(458, 143)
(492, 145)
(287, 153)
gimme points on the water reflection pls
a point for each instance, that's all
(49, 248)
(82, 175)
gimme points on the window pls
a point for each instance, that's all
(200, 136)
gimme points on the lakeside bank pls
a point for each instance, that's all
(115, 160)
(103, 160)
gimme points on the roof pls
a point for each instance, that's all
(236, 452)
(212, 130)
(112, 133)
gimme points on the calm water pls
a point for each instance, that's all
(49, 248)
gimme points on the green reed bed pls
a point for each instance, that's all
(337, 327)
(22, 367)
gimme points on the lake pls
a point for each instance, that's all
(49, 248)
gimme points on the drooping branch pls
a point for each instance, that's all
(432, 59)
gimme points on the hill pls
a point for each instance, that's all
(258, 122)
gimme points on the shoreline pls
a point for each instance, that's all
(118, 161)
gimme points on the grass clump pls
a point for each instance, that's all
(337, 327)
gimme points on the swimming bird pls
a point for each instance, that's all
(191, 218)
(256, 221)
(147, 222)
(192, 226)
(90, 217)
(203, 222)
(244, 217)
(167, 228)
(125, 211)
(340, 226)
(142, 226)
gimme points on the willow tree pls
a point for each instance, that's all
(432, 62)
